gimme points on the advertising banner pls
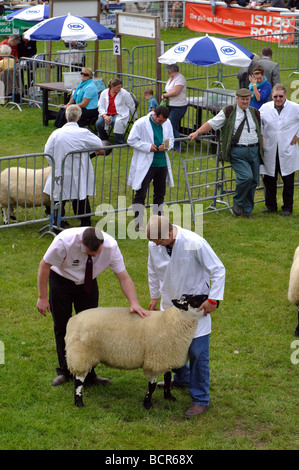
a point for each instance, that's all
(237, 21)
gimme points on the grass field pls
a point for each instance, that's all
(254, 377)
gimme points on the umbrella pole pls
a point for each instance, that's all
(70, 55)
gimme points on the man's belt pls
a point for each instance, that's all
(249, 145)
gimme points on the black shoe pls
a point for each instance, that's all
(60, 380)
(268, 210)
(237, 210)
(247, 215)
(285, 213)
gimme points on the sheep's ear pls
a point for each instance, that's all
(181, 304)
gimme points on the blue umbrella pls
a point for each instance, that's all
(68, 28)
(206, 51)
(33, 14)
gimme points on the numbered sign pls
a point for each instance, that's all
(116, 46)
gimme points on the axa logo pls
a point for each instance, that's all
(180, 49)
(75, 26)
(228, 50)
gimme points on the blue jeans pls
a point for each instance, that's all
(100, 127)
(176, 114)
(197, 376)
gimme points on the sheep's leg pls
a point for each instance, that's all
(4, 216)
(148, 397)
(167, 382)
(79, 381)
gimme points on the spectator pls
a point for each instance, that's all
(85, 96)
(78, 181)
(181, 262)
(152, 102)
(259, 87)
(63, 266)
(26, 47)
(114, 106)
(271, 68)
(6, 63)
(243, 75)
(12, 41)
(176, 93)
(241, 146)
(280, 119)
(151, 136)
(272, 4)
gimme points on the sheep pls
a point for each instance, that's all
(118, 339)
(22, 187)
(293, 292)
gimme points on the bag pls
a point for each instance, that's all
(164, 103)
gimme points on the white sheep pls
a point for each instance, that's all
(22, 187)
(118, 339)
(293, 293)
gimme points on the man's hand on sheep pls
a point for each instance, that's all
(208, 307)
(136, 308)
(128, 289)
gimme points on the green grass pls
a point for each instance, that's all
(254, 384)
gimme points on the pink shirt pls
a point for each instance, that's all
(68, 257)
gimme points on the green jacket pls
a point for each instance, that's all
(228, 129)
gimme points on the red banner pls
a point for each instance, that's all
(237, 21)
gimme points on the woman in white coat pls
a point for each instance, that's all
(280, 131)
(151, 136)
(115, 106)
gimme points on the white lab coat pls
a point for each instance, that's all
(78, 177)
(192, 268)
(141, 139)
(279, 130)
(124, 105)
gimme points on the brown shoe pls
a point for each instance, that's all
(60, 380)
(196, 410)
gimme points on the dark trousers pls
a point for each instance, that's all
(63, 295)
(270, 183)
(88, 116)
(158, 175)
(80, 207)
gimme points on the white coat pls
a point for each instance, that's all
(124, 105)
(192, 268)
(279, 130)
(141, 139)
(78, 175)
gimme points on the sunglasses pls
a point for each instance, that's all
(85, 74)
(278, 96)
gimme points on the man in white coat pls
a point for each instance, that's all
(182, 262)
(78, 175)
(151, 136)
(280, 132)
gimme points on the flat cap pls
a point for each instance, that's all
(243, 92)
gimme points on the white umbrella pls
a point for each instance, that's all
(33, 14)
(206, 51)
(68, 28)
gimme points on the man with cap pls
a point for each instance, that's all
(241, 146)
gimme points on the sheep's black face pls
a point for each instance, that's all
(194, 301)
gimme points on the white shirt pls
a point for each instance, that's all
(246, 137)
(192, 268)
(278, 130)
(180, 99)
(78, 174)
(124, 105)
(68, 257)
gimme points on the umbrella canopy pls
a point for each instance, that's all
(206, 51)
(33, 14)
(68, 28)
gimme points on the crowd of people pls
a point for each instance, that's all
(259, 136)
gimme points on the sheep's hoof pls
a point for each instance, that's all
(169, 396)
(79, 404)
(147, 404)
